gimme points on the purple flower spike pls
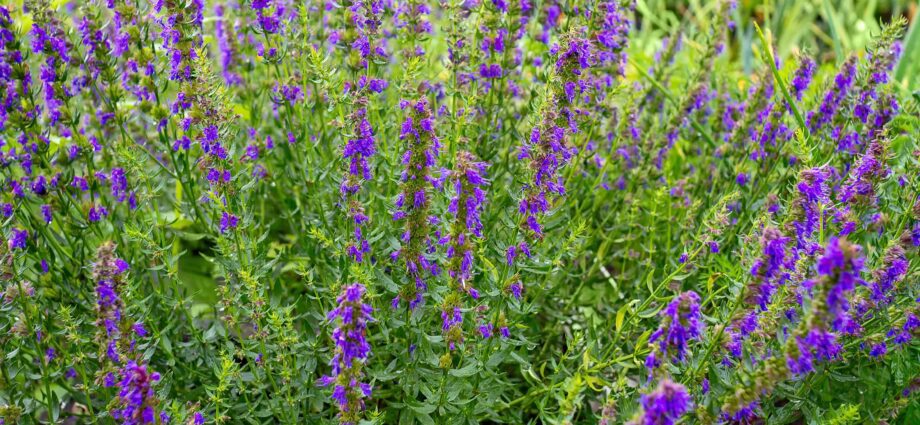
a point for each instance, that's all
(680, 323)
(351, 351)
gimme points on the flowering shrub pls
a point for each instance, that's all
(456, 212)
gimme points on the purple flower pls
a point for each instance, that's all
(269, 14)
(468, 178)
(912, 322)
(511, 254)
(108, 273)
(18, 239)
(742, 179)
(744, 415)
(451, 318)
(665, 405)
(452, 326)
(799, 357)
(40, 186)
(878, 350)
(97, 213)
(485, 330)
(180, 24)
(823, 344)
(139, 329)
(47, 213)
(357, 150)
(366, 21)
(516, 287)
(547, 149)
(223, 33)
(80, 183)
(119, 184)
(228, 222)
(378, 85)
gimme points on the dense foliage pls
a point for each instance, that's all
(498, 211)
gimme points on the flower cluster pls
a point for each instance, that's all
(468, 179)
(180, 26)
(665, 405)
(466, 204)
(108, 272)
(768, 271)
(137, 402)
(357, 151)
(414, 200)
(352, 350)
(548, 149)
(839, 270)
(807, 208)
(680, 323)
(830, 106)
(613, 35)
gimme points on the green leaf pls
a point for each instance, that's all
(495, 360)
(166, 343)
(651, 312)
(420, 408)
(842, 378)
(907, 64)
(468, 370)
(620, 316)
(643, 340)
(424, 418)
(784, 415)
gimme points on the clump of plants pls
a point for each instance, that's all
(478, 211)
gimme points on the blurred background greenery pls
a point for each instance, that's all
(826, 29)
